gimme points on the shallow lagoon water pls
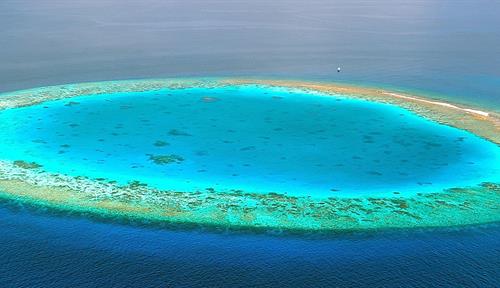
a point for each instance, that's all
(250, 138)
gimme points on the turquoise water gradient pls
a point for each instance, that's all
(447, 47)
(249, 138)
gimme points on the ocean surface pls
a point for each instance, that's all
(39, 250)
(448, 49)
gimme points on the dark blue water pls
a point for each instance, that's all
(448, 47)
(47, 251)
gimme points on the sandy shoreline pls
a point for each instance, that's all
(473, 111)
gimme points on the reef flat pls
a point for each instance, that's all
(240, 210)
(27, 181)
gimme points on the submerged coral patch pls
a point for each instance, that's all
(160, 143)
(26, 165)
(165, 159)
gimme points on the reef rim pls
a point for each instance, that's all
(239, 210)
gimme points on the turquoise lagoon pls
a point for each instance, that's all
(250, 138)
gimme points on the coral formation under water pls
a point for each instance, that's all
(27, 182)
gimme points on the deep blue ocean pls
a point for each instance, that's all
(38, 250)
(448, 49)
